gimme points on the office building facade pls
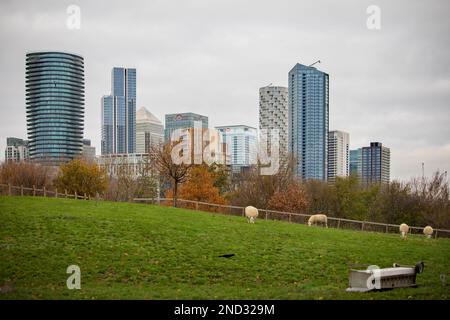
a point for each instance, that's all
(241, 144)
(308, 121)
(119, 113)
(356, 162)
(149, 131)
(88, 151)
(54, 106)
(182, 121)
(376, 164)
(338, 155)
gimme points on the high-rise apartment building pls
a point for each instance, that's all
(55, 106)
(149, 131)
(308, 122)
(241, 145)
(273, 114)
(375, 164)
(338, 155)
(16, 150)
(119, 113)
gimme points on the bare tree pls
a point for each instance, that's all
(176, 173)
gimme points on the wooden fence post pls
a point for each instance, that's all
(45, 192)
(65, 192)
(387, 228)
(21, 190)
(362, 226)
(196, 205)
(243, 212)
(76, 196)
(339, 223)
(56, 193)
(435, 235)
(290, 217)
(34, 191)
(9, 189)
(85, 196)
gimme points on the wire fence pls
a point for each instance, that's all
(291, 217)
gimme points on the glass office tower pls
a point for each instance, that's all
(376, 164)
(119, 113)
(55, 106)
(356, 162)
(241, 143)
(149, 131)
(308, 109)
(182, 121)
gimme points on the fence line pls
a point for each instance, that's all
(339, 223)
(46, 193)
(293, 217)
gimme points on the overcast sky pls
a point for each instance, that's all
(210, 57)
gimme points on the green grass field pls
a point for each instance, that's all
(137, 251)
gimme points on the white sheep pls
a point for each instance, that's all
(251, 213)
(404, 229)
(318, 218)
(428, 231)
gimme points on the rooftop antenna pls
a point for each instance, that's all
(318, 61)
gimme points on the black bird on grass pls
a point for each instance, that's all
(227, 255)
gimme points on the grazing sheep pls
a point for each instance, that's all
(404, 228)
(251, 213)
(428, 231)
(318, 218)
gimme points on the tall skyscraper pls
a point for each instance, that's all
(119, 113)
(182, 121)
(273, 114)
(338, 155)
(241, 145)
(149, 131)
(356, 162)
(308, 121)
(55, 106)
(16, 150)
(376, 164)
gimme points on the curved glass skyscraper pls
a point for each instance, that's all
(55, 106)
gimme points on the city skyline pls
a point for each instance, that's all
(406, 111)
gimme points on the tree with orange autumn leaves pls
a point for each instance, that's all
(290, 199)
(199, 187)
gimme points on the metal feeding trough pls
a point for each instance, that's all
(374, 278)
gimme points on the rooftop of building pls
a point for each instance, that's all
(143, 115)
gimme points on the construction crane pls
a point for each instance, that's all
(318, 61)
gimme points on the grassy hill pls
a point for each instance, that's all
(137, 251)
